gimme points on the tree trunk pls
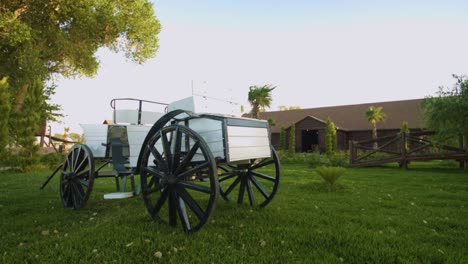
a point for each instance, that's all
(465, 139)
(255, 111)
(374, 136)
(20, 97)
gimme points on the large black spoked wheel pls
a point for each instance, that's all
(257, 179)
(77, 177)
(178, 178)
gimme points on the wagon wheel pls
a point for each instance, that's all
(252, 178)
(77, 177)
(178, 178)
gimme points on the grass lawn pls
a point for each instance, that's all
(375, 215)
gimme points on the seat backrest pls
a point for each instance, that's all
(117, 132)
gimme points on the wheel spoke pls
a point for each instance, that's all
(262, 163)
(195, 187)
(172, 208)
(83, 183)
(259, 187)
(82, 173)
(193, 170)
(240, 198)
(263, 176)
(187, 158)
(227, 176)
(82, 165)
(159, 159)
(151, 189)
(176, 152)
(74, 194)
(67, 195)
(154, 172)
(182, 211)
(250, 193)
(233, 185)
(193, 205)
(167, 151)
(161, 200)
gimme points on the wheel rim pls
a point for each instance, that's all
(251, 181)
(178, 178)
(77, 177)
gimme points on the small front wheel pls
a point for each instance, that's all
(77, 177)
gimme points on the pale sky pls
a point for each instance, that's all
(317, 53)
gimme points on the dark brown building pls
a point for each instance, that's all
(350, 121)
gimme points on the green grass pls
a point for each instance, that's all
(375, 215)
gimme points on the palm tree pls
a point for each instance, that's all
(374, 115)
(259, 98)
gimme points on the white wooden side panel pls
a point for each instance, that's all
(136, 136)
(148, 117)
(211, 131)
(248, 143)
(95, 136)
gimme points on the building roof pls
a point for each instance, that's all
(353, 117)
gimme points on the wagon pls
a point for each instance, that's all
(185, 157)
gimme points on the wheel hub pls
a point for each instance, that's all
(69, 175)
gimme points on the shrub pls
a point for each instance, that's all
(315, 159)
(339, 159)
(52, 160)
(330, 174)
(330, 137)
(282, 139)
(292, 139)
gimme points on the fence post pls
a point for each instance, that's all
(403, 162)
(460, 145)
(352, 152)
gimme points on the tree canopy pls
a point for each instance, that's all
(286, 108)
(259, 98)
(40, 40)
(447, 113)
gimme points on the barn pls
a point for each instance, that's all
(350, 121)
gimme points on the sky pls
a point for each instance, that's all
(316, 53)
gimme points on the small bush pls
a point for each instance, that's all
(52, 160)
(330, 174)
(293, 158)
(339, 159)
(316, 160)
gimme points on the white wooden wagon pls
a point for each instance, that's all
(186, 157)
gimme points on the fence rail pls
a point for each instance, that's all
(403, 148)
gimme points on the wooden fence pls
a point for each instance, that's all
(403, 148)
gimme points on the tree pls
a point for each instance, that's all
(271, 122)
(41, 40)
(330, 137)
(4, 115)
(405, 129)
(447, 113)
(286, 108)
(77, 137)
(375, 115)
(282, 139)
(292, 139)
(259, 98)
